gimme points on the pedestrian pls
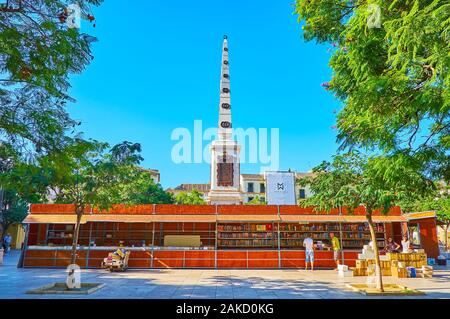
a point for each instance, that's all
(308, 243)
(336, 245)
(7, 243)
(405, 244)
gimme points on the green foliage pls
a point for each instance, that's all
(85, 172)
(17, 210)
(257, 200)
(393, 80)
(143, 190)
(38, 52)
(192, 198)
(353, 179)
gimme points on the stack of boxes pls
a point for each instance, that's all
(343, 271)
(365, 265)
(425, 272)
(393, 264)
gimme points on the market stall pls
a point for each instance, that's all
(209, 236)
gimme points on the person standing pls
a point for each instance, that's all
(336, 245)
(308, 243)
(7, 242)
(405, 244)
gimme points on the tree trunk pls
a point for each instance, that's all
(373, 235)
(79, 209)
(446, 237)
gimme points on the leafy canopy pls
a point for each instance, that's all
(353, 179)
(393, 80)
(143, 190)
(38, 52)
(192, 198)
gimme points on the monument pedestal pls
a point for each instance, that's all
(224, 197)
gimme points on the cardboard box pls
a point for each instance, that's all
(392, 256)
(399, 272)
(361, 264)
(360, 272)
(342, 268)
(386, 272)
(385, 265)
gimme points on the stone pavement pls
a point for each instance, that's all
(208, 284)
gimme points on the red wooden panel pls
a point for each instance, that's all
(167, 263)
(64, 262)
(140, 254)
(40, 254)
(292, 263)
(99, 253)
(185, 209)
(168, 254)
(231, 255)
(247, 210)
(48, 263)
(292, 254)
(201, 263)
(139, 263)
(67, 254)
(200, 254)
(95, 262)
(262, 255)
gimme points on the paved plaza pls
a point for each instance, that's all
(208, 284)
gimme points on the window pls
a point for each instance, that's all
(250, 188)
(302, 194)
(262, 188)
(250, 198)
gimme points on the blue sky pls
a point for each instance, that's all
(157, 68)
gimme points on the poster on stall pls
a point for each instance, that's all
(280, 188)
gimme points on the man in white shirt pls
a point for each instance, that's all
(308, 243)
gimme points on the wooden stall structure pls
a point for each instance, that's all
(215, 236)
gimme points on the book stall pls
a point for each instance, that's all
(210, 236)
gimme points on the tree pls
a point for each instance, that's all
(392, 77)
(85, 174)
(14, 211)
(353, 179)
(38, 52)
(14, 193)
(143, 190)
(256, 201)
(192, 198)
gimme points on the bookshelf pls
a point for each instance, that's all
(260, 235)
(247, 235)
(354, 236)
